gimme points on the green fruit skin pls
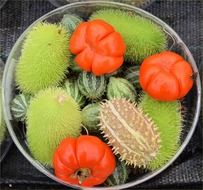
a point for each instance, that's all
(19, 106)
(167, 117)
(141, 36)
(70, 22)
(72, 89)
(119, 176)
(52, 116)
(91, 86)
(44, 58)
(90, 116)
(132, 75)
(120, 88)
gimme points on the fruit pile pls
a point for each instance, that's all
(100, 98)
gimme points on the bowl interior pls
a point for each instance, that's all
(190, 104)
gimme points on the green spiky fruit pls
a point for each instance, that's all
(142, 37)
(44, 58)
(71, 87)
(91, 86)
(120, 88)
(129, 131)
(19, 106)
(132, 75)
(119, 176)
(167, 117)
(90, 114)
(52, 116)
(70, 21)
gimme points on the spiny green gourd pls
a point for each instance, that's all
(130, 132)
(167, 117)
(91, 86)
(44, 58)
(19, 106)
(142, 37)
(71, 87)
(119, 176)
(132, 75)
(70, 21)
(90, 114)
(120, 88)
(52, 116)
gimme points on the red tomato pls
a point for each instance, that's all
(166, 76)
(85, 161)
(98, 47)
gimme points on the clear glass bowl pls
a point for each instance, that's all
(191, 102)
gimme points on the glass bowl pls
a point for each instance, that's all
(191, 103)
(137, 3)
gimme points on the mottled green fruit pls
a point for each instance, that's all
(120, 88)
(72, 89)
(142, 37)
(119, 176)
(52, 116)
(167, 117)
(70, 22)
(90, 114)
(132, 75)
(44, 59)
(19, 106)
(91, 86)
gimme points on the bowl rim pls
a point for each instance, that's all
(142, 179)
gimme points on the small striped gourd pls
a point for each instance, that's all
(91, 86)
(70, 21)
(119, 176)
(90, 115)
(132, 75)
(120, 88)
(19, 106)
(71, 87)
(131, 134)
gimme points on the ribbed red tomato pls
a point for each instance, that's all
(166, 76)
(98, 47)
(85, 161)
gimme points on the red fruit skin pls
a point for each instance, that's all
(166, 76)
(98, 47)
(87, 152)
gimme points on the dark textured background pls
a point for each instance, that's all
(185, 17)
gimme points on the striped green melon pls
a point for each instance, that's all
(70, 21)
(132, 75)
(91, 86)
(19, 106)
(71, 87)
(120, 88)
(90, 115)
(119, 176)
